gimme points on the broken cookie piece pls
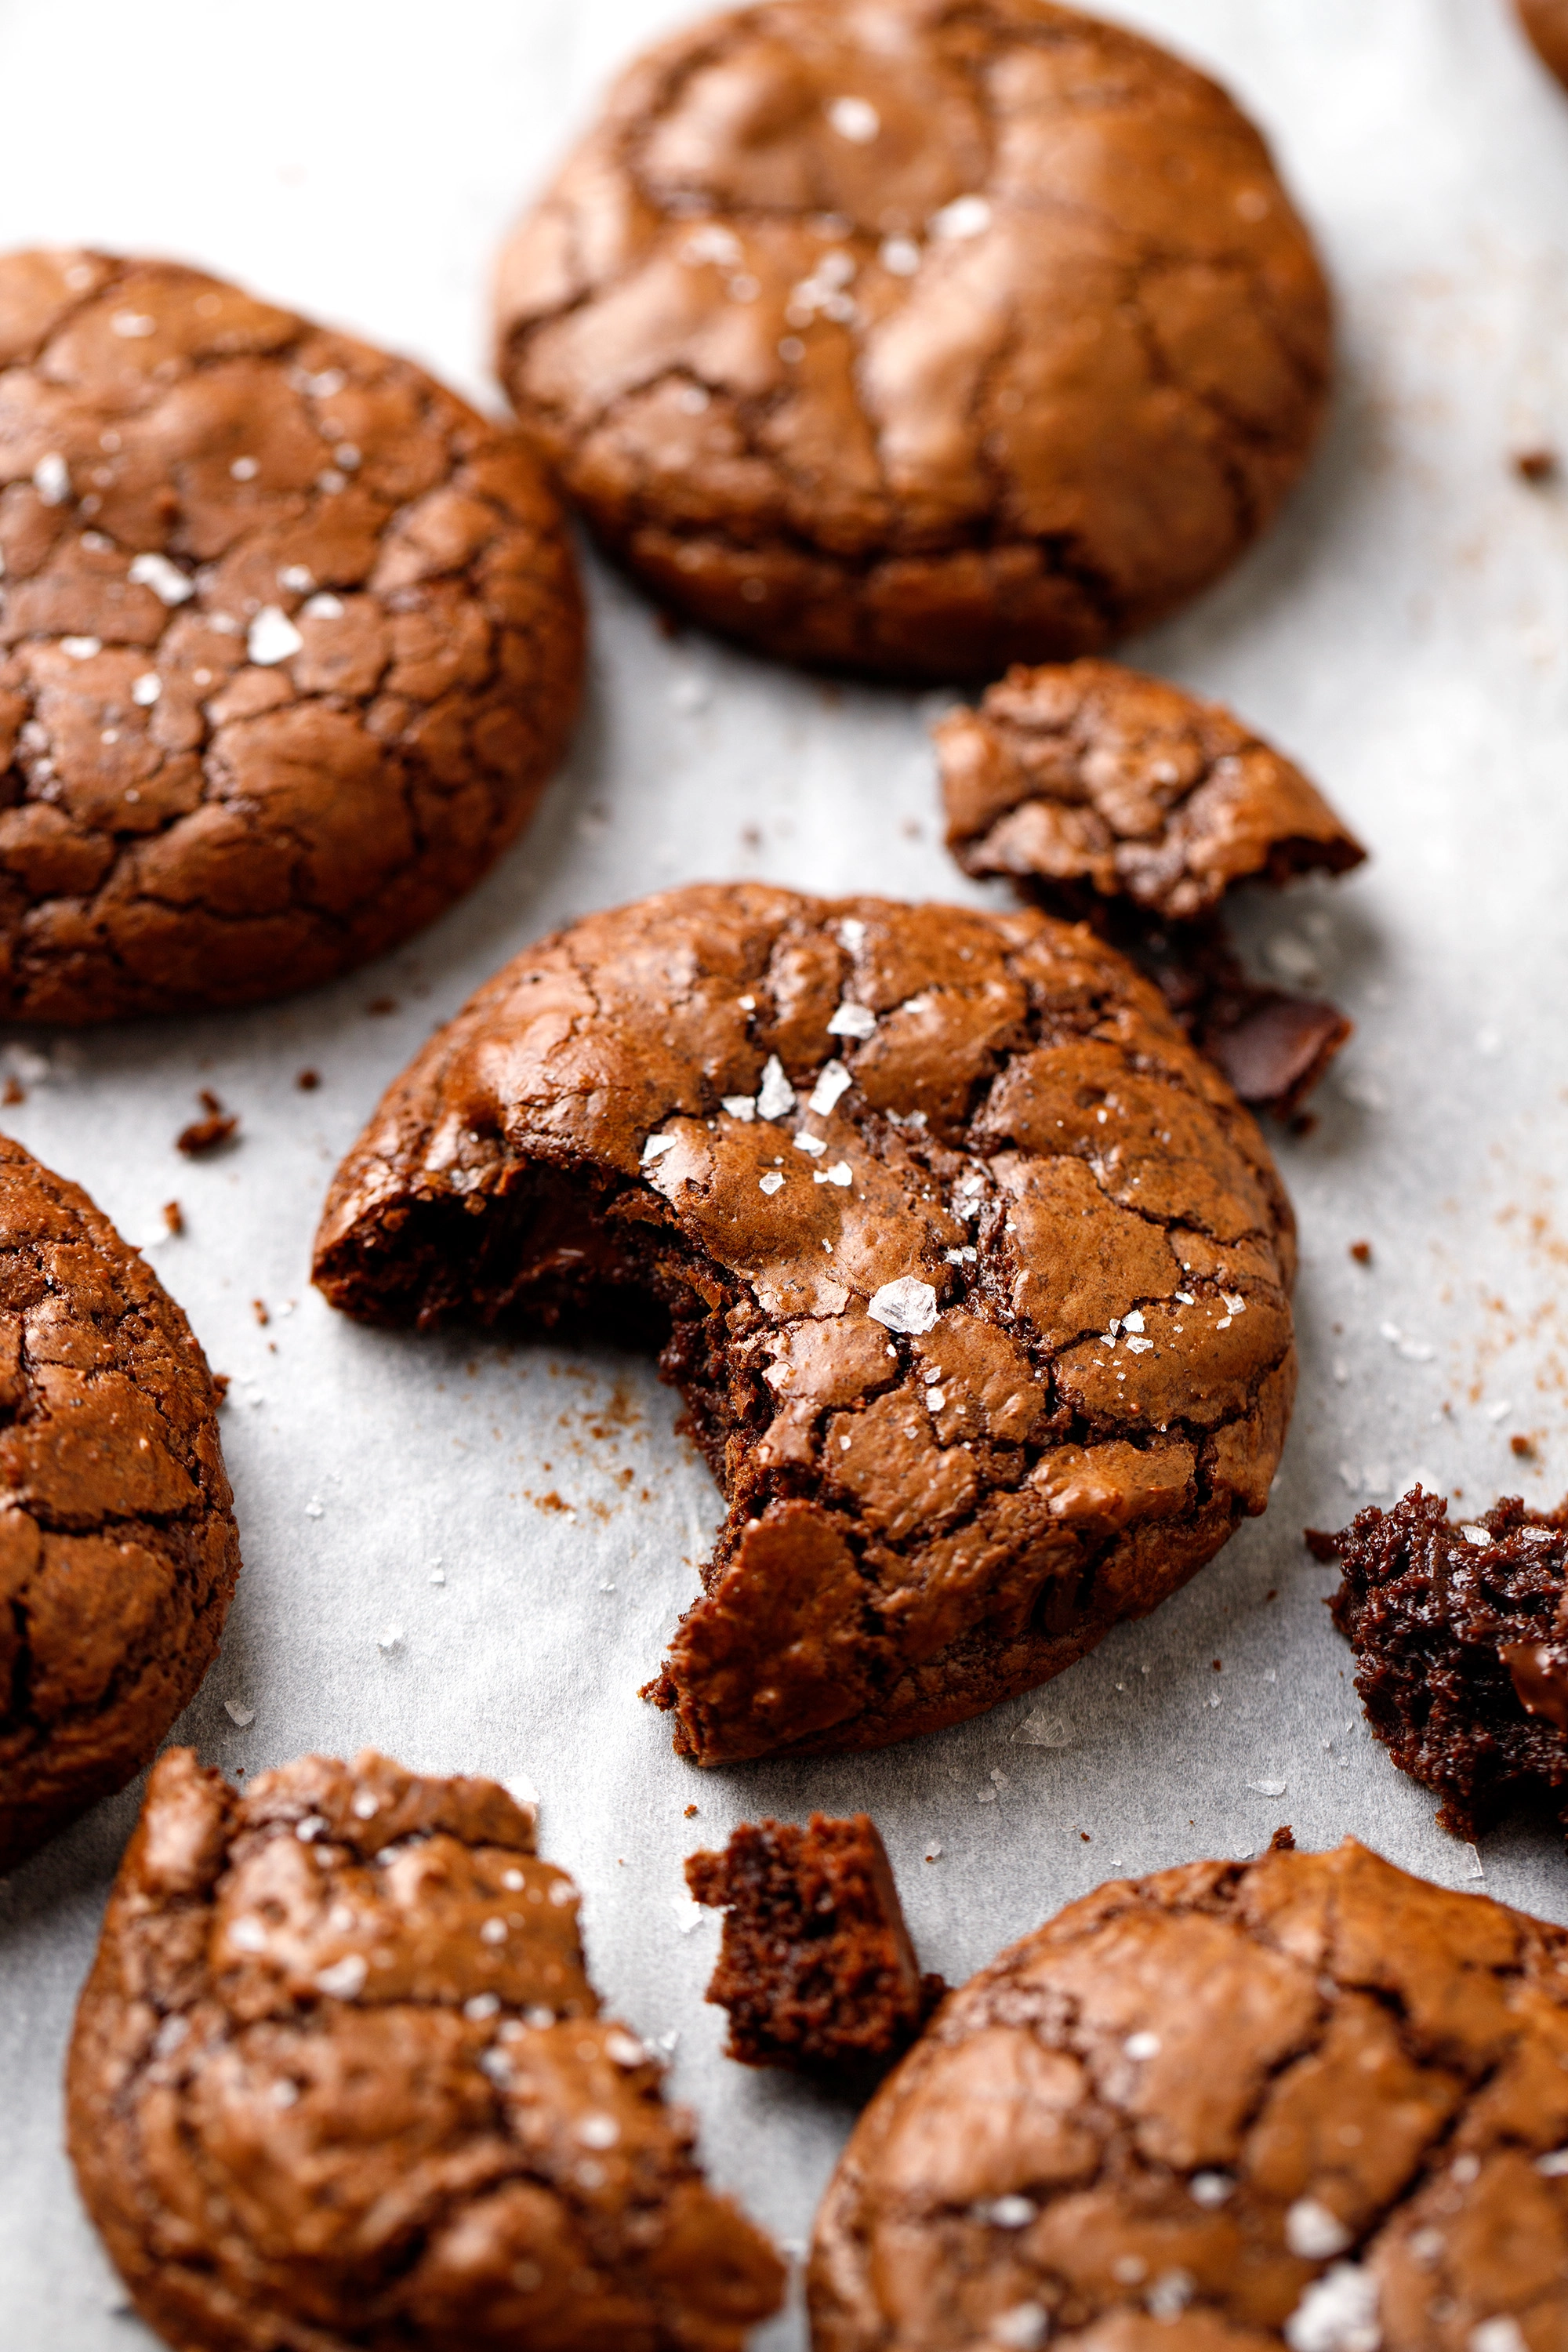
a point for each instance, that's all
(339, 2076)
(1460, 1634)
(1120, 800)
(973, 1273)
(816, 1969)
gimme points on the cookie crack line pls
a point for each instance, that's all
(358, 621)
(967, 1405)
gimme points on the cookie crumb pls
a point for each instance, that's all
(1536, 465)
(221, 1386)
(258, 1308)
(308, 1081)
(173, 1217)
(205, 1135)
(1523, 1446)
(691, 1811)
(816, 1970)
(15, 1092)
(1361, 1253)
(1283, 1840)
(381, 1004)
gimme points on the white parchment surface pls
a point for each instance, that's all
(1403, 631)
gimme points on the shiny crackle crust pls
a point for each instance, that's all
(1102, 783)
(118, 1548)
(290, 639)
(739, 1114)
(1305, 2097)
(918, 337)
(1546, 22)
(339, 2078)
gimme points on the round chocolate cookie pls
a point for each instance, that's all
(973, 1273)
(917, 337)
(1546, 22)
(1307, 2100)
(117, 1550)
(289, 642)
(339, 2078)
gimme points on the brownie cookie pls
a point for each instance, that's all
(816, 1969)
(916, 337)
(117, 1550)
(1114, 796)
(1307, 2100)
(339, 2078)
(1460, 1635)
(973, 1273)
(1546, 22)
(289, 641)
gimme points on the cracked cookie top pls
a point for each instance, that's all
(338, 2077)
(1087, 782)
(289, 642)
(972, 1272)
(918, 336)
(1307, 2100)
(117, 1550)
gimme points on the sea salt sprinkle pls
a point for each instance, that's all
(852, 1021)
(655, 1147)
(775, 1097)
(1338, 2313)
(344, 1979)
(771, 1182)
(832, 1080)
(166, 581)
(273, 637)
(1313, 2233)
(855, 118)
(907, 1305)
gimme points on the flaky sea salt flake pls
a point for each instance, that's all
(907, 1305)
(273, 637)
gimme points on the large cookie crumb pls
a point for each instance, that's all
(1461, 1646)
(816, 1970)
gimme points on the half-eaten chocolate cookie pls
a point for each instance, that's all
(972, 1272)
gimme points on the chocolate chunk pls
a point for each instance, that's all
(816, 1969)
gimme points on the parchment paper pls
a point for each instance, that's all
(1403, 631)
